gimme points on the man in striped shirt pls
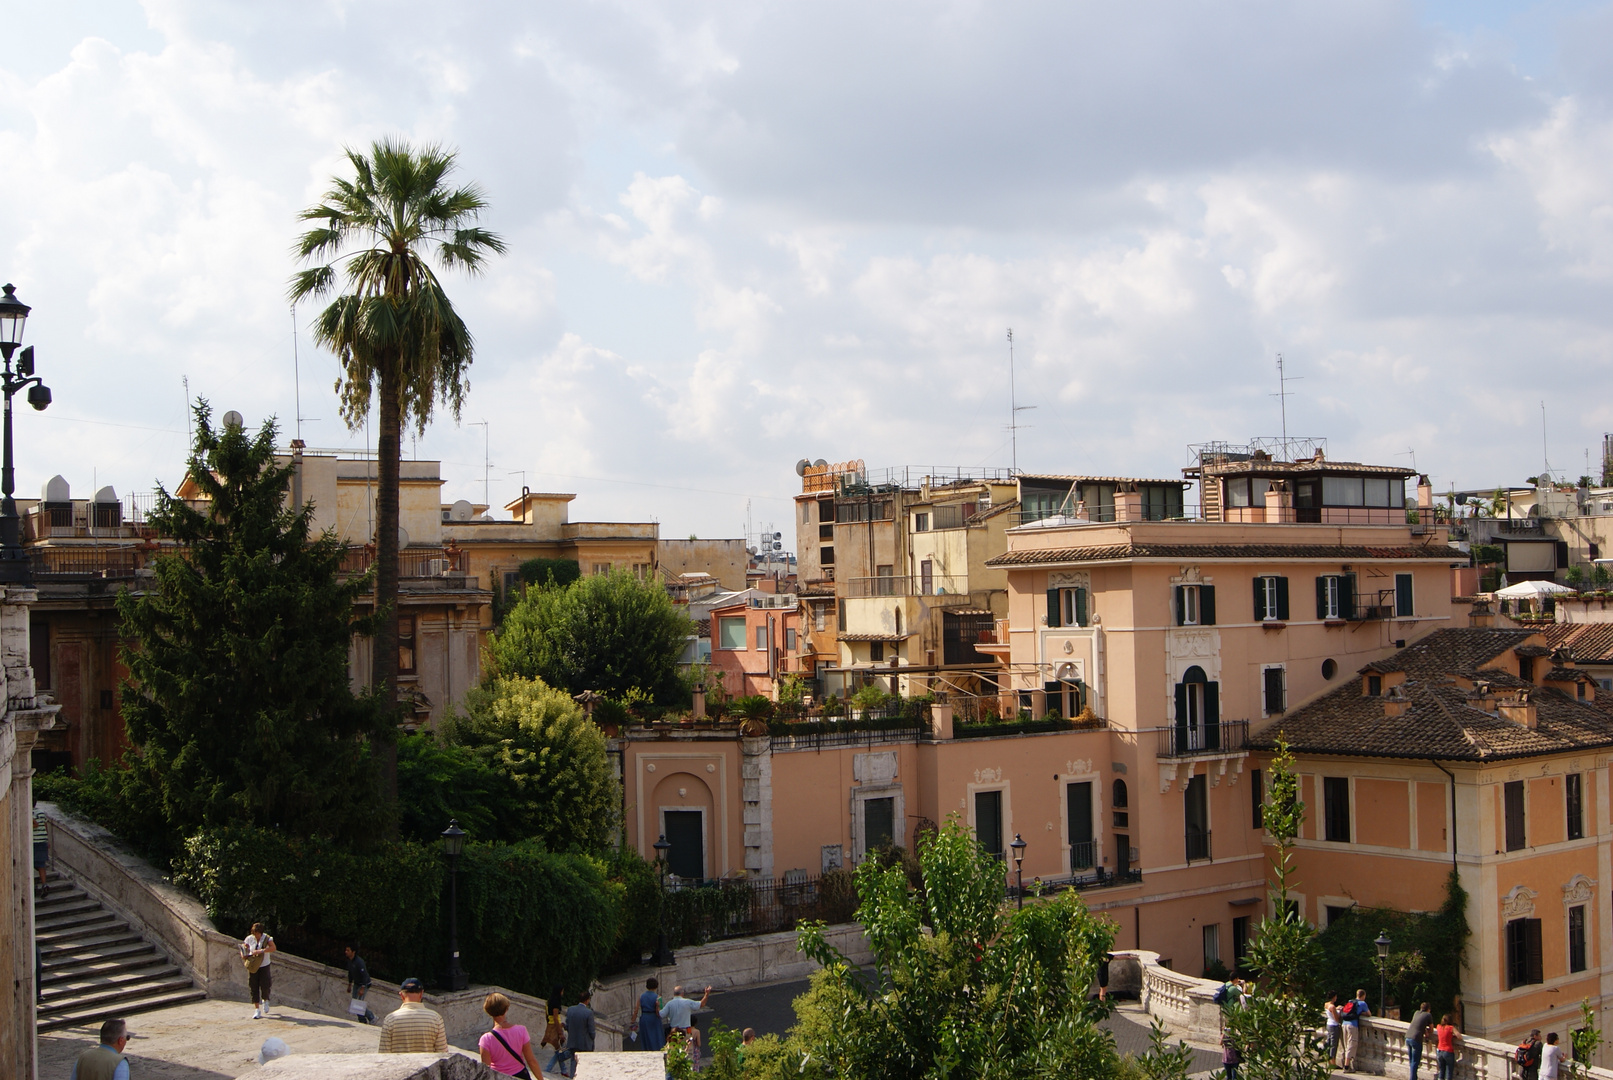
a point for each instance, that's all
(413, 1028)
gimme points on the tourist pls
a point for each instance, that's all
(651, 1036)
(1331, 1007)
(412, 1028)
(1231, 1058)
(579, 1031)
(1350, 1018)
(1103, 975)
(554, 1032)
(106, 1061)
(1446, 1040)
(41, 849)
(1551, 1058)
(678, 1012)
(1414, 1036)
(258, 949)
(358, 984)
(507, 1048)
(1529, 1056)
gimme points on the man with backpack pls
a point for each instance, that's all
(1529, 1056)
(1350, 1017)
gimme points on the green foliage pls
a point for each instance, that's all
(606, 632)
(1488, 554)
(1162, 1061)
(833, 706)
(1601, 576)
(238, 700)
(1586, 1041)
(559, 786)
(986, 992)
(439, 781)
(121, 799)
(792, 691)
(752, 707)
(640, 914)
(550, 573)
(1425, 962)
(872, 696)
(1575, 576)
(1024, 725)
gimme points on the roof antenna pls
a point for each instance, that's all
(1283, 379)
(1545, 453)
(1014, 408)
(296, 371)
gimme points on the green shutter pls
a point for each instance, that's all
(1403, 605)
(1177, 593)
(1053, 608)
(1321, 597)
(1080, 607)
(1260, 598)
(1282, 599)
(1206, 605)
(1212, 703)
(1347, 596)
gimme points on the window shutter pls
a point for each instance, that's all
(1178, 593)
(1053, 608)
(1080, 607)
(1206, 605)
(1347, 596)
(1403, 602)
(1562, 554)
(1321, 597)
(1181, 719)
(1212, 704)
(1282, 599)
(1260, 598)
(1531, 937)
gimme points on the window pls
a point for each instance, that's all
(826, 510)
(1271, 598)
(1330, 668)
(1343, 491)
(1162, 503)
(731, 633)
(1512, 797)
(1334, 914)
(1078, 823)
(1335, 596)
(885, 580)
(405, 644)
(1403, 605)
(1575, 797)
(1257, 799)
(989, 821)
(879, 823)
(1240, 939)
(789, 639)
(820, 617)
(826, 533)
(1238, 492)
(601, 567)
(826, 556)
(106, 699)
(1198, 712)
(876, 651)
(761, 639)
(1196, 816)
(806, 512)
(1523, 953)
(512, 583)
(1212, 945)
(39, 652)
(1336, 807)
(840, 615)
(1576, 938)
(1117, 802)
(927, 578)
(921, 522)
(1195, 605)
(1066, 607)
(1374, 685)
(1275, 680)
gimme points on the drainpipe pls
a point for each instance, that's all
(1452, 775)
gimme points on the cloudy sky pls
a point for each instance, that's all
(741, 234)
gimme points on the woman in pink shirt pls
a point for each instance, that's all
(507, 1048)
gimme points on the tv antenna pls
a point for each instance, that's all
(296, 372)
(1545, 452)
(487, 462)
(1282, 395)
(1014, 408)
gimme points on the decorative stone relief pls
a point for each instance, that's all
(875, 768)
(1069, 579)
(1579, 890)
(650, 767)
(831, 857)
(1189, 576)
(1519, 903)
(988, 776)
(1078, 767)
(710, 767)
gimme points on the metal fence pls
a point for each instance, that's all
(698, 912)
(1179, 740)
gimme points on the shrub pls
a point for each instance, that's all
(753, 707)
(121, 799)
(550, 573)
(438, 782)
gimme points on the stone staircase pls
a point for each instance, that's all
(95, 966)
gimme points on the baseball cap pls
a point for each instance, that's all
(412, 985)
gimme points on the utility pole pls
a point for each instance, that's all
(1014, 408)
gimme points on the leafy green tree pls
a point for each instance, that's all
(561, 788)
(238, 701)
(439, 782)
(1276, 1028)
(608, 632)
(962, 987)
(393, 329)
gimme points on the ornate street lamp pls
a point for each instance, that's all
(1383, 943)
(453, 843)
(14, 566)
(663, 947)
(1019, 846)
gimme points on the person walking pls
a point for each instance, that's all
(106, 1061)
(1350, 1021)
(580, 1031)
(1414, 1036)
(554, 1032)
(507, 1048)
(1529, 1056)
(678, 1012)
(1231, 1057)
(1446, 1041)
(41, 849)
(1551, 1058)
(358, 984)
(258, 949)
(1331, 1007)
(412, 1028)
(651, 1035)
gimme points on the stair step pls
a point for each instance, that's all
(58, 894)
(74, 990)
(99, 924)
(67, 907)
(131, 958)
(117, 995)
(113, 935)
(77, 1017)
(48, 924)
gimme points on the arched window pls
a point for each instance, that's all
(1118, 799)
(1198, 712)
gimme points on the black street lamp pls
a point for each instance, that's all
(14, 566)
(453, 842)
(1383, 943)
(1019, 846)
(663, 947)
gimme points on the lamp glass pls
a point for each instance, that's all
(13, 315)
(453, 838)
(1383, 944)
(1019, 847)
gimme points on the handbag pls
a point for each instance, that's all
(525, 1073)
(356, 1007)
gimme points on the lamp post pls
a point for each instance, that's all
(1019, 846)
(1383, 943)
(453, 842)
(14, 567)
(663, 948)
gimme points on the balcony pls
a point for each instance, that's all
(84, 563)
(413, 562)
(1181, 741)
(947, 588)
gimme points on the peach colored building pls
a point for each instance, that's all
(756, 642)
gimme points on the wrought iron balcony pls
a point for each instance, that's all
(1182, 740)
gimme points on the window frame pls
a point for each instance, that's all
(1273, 598)
(1281, 687)
(1405, 599)
(921, 522)
(1574, 805)
(1523, 954)
(412, 639)
(723, 637)
(1577, 951)
(761, 637)
(1336, 799)
(1515, 815)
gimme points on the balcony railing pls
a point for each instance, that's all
(947, 585)
(412, 562)
(1198, 845)
(1081, 856)
(1179, 740)
(85, 562)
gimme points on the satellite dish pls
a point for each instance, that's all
(777, 546)
(462, 510)
(233, 419)
(403, 537)
(801, 467)
(57, 490)
(821, 464)
(106, 495)
(778, 536)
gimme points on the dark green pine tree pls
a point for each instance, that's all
(238, 700)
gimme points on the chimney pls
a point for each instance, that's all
(1395, 702)
(1279, 503)
(1128, 503)
(1520, 709)
(1480, 614)
(1425, 496)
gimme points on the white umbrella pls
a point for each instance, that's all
(1531, 590)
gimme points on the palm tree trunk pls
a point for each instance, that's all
(384, 661)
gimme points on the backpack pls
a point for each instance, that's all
(1220, 997)
(1347, 1010)
(1528, 1055)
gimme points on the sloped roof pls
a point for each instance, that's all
(1586, 642)
(1273, 552)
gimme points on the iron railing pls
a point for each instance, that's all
(702, 911)
(1179, 740)
(1198, 845)
(81, 562)
(412, 562)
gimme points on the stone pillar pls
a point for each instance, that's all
(756, 802)
(941, 721)
(697, 707)
(1279, 504)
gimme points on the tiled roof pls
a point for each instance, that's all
(1267, 465)
(1273, 552)
(1532, 650)
(1441, 719)
(1080, 478)
(1588, 642)
(1566, 674)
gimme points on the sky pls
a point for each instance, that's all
(744, 234)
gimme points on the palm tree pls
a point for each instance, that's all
(390, 323)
